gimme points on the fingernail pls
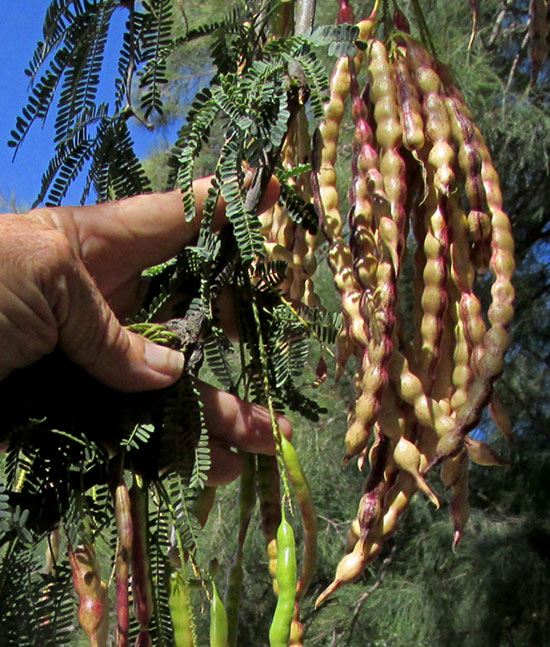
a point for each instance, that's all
(164, 360)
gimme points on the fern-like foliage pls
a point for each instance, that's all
(85, 45)
(157, 29)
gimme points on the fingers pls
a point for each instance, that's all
(235, 423)
(226, 466)
(91, 336)
(118, 240)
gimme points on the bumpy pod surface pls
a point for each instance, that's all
(438, 129)
(93, 606)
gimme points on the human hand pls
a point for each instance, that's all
(68, 275)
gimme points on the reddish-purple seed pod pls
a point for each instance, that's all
(123, 517)
(345, 13)
(409, 107)
(93, 607)
(142, 586)
(400, 22)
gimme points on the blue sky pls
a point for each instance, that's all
(20, 29)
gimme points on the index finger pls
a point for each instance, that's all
(235, 423)
(121, 238)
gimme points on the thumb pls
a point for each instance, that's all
(91, 336)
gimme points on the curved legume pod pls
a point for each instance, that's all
(428, 411)
(181, 612)
(482, 454)
(396, 502)
(307, 510)
(378, 310)
(410, 109)
(434, 298)
(331, 221)
(329, 130)
(489, 364)
(269, 494)
(438, 130)
(142, 586)
(93, 606)
(470, 327)
(350, 567)
(407, 457)
(501, 310)
(500, 418)
(383, 95)
(279, 631)
(469, 159)
(123, 517)
(218, 621)
(364, 170)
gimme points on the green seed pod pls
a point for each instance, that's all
(309, 516)
(181, 612)
(279, 631)
(218, 621)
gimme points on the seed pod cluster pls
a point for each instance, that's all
(285, 239)
(424, 375)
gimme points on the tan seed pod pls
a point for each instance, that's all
(451, 470)
(410, 109)
(441, 155)
(396, 502)
(351, 566)
(407, 457)
(482, 454)
(500, 417)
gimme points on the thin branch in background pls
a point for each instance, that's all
(132, 64)
(497, 28)
(516, 63)
(128, 108)
(10, 204)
